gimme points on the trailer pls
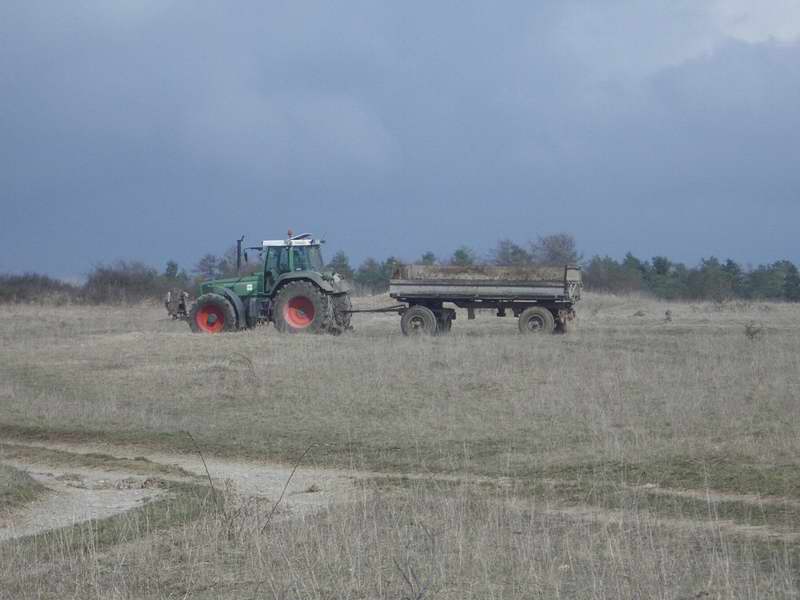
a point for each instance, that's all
(542, 298)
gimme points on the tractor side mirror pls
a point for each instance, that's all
(246, 259)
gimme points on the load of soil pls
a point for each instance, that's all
(481, 272)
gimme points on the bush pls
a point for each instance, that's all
(373, 277)
(33, 287)
(130, 282)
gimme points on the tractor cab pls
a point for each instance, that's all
(298, 253)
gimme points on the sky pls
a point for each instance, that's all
(166, 129)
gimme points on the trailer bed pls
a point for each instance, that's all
(486, 284)
(542, 298)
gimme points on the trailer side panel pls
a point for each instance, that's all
(487, 283)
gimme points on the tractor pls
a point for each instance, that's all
(290, 288)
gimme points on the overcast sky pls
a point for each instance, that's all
(158, 129)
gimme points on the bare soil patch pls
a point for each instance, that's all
(74, 497)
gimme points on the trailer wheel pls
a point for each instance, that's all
(302, 308)
(212, 313)
(566, 322)
(444, 325)
(419, 320)
(341, 311)
(565, 327)
(536, 319)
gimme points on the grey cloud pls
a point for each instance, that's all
(393, 128)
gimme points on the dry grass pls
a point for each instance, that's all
(594, 430)
(621, 390)
(425, 543)
(16, 488)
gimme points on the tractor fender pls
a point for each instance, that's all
(314, 278)
(238, 305)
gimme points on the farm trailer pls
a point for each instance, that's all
(541, 298)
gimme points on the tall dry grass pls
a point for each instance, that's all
(629, 459)
(16, 488)
(423, 543)
(621, 389)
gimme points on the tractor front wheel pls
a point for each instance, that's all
(212, 313)
(301, 307)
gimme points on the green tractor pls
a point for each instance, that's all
(290, 288)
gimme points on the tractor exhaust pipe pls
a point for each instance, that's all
(239, 254)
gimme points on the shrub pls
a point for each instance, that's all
(33, 287)
(125, 282)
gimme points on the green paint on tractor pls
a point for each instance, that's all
(290, 288)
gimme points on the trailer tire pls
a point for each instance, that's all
(566, 321)
(212, 313)
(444, 325)
(536, 319)
(341, 311)
(565, 327)
(419, 320)
(301, 307)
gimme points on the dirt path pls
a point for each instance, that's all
(256, 478)
(650, 520)
(75, 496)
(716, 497)
(80, 494)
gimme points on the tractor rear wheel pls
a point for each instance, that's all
(301, 307)
(419, 320)
(536, 319)
(212, 313)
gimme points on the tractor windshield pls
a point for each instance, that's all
(307, 258)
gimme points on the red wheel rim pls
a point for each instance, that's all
(299, 312)
(210, 318)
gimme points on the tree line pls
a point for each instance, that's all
(372, 276)
(711, 279)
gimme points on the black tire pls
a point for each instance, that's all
(536, 319)
(301, 307)
(341, 305)
(565, 327)
(212, 313)
(419, 320)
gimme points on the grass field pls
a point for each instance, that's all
(16, 487)
(636, 457)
